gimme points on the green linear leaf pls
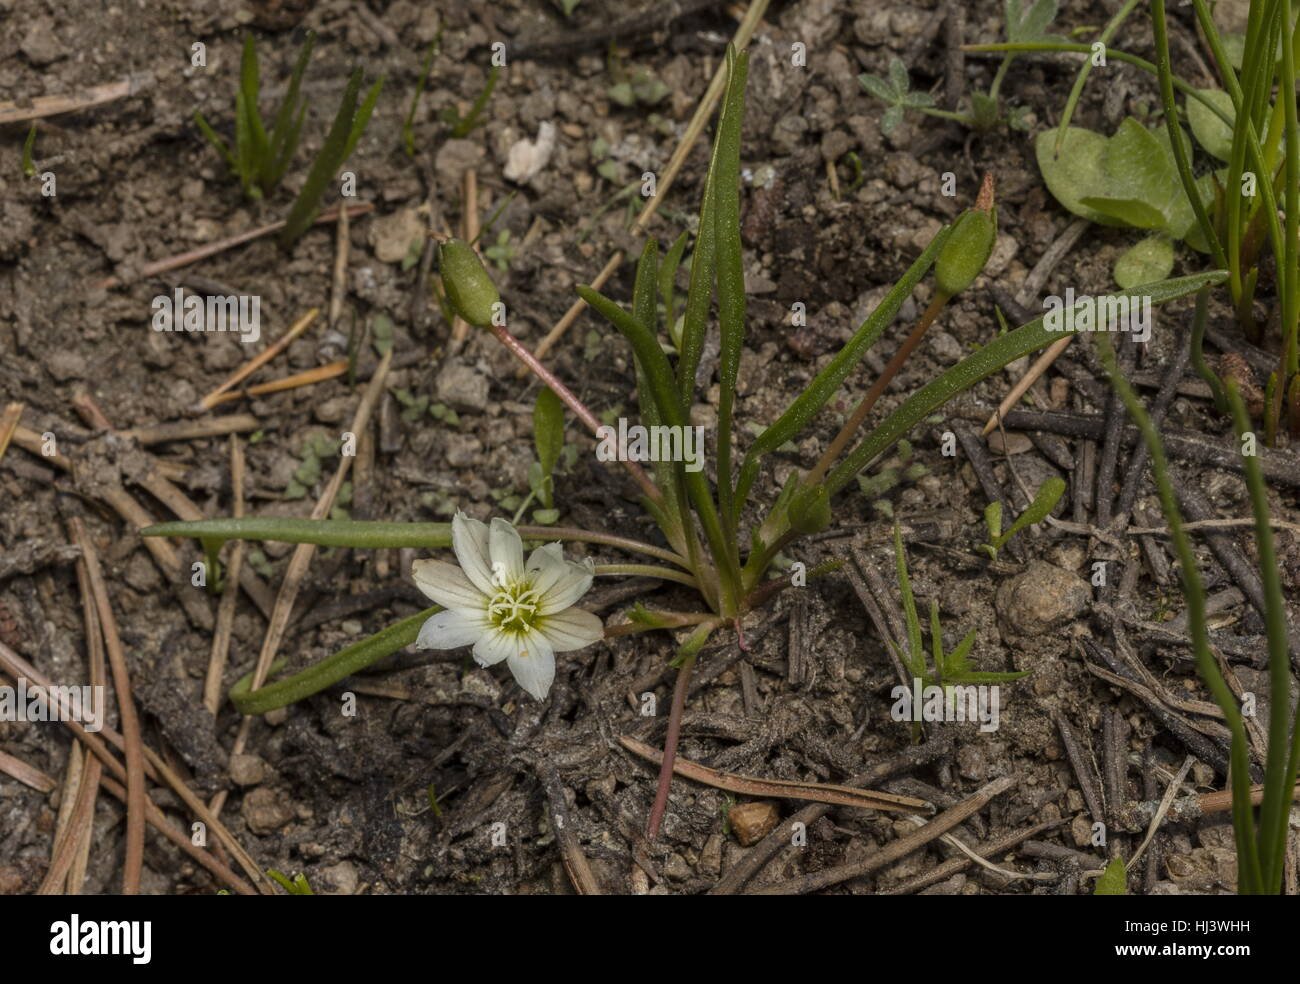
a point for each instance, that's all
(983, 363)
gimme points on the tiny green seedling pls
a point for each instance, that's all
(349, 123)
(898, 96)
(408, 125)
(463, 126)
(951, 668)
(297, 886)
(261, 157)
(1049, 494)
(29, 145)
(1025, 25)
(501, 253)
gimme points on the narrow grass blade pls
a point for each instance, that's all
(250, 89)
(330, 670)
(216, 141)
(244, 165)
(408, 126)
(322, 532)
(643, 310)
(909, 602)
(361, 119)
(285, 114)
(465, 126)
(325, 166)
(1283, 737)
(699, 295)
(659, 376)
(981, 364)
(1249, 874)
(730, 272)
(1166, 75)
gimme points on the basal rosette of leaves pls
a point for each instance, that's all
(1129, 179)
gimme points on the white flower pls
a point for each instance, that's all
(508, 609)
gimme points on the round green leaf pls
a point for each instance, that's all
(1148, 261)
(1076, 173)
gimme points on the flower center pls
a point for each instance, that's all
(514, 608)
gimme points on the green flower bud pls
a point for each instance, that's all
(810, 510)
(967, 250)
(969, 244)
(469, 288)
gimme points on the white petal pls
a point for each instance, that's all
(533, 664)
(571, 629)
(494, 646)
(507, 551)
(469, 538)
(451, 630)
(447, 585)
(547, 565)
(568, 588)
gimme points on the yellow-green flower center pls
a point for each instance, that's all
(514, 607)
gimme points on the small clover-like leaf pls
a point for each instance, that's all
(896, 92)
(877, 87)
(889, 122)
(898, 77)
(1150, 260)
(1027, 25)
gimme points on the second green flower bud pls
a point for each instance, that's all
(969, 244)
(469, 287)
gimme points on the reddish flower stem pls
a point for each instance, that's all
(572, 402)
(670, 746)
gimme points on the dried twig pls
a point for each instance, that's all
(817, 792)
(220, 246)
(8, 424)
(307, 378)
(154, 767)
(193, 430)
(130, 722)
(28, 775)
(19, 110)
(226, 612)
(897, 849)
(757, 856)
(266, 355)
(957, 864)
(575, 862)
